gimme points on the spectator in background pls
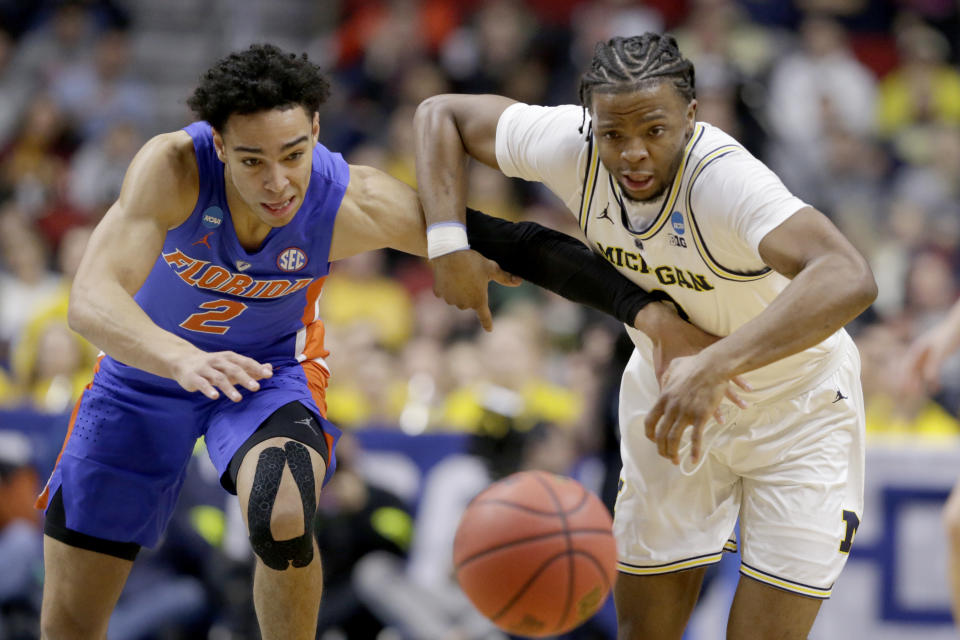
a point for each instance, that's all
(816, 92)
(923, 90)
(35, 160)
(361, 292)
(96, 94)
(512, 358)
(52, 363)
(891, 409)
(355, 519)
(98, 167)
(21, 542)
(923, 370)
(16, 87)
(25, 282)
(67, 37)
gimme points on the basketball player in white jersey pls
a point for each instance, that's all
(680, 206)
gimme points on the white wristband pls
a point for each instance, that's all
(446, 237)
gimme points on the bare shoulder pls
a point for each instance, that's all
(367, 186)
(163, 179)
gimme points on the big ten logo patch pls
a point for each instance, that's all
(292, 259)
(212, 217)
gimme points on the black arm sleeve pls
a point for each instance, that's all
(560, 263)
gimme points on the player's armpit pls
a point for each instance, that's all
(377, 211)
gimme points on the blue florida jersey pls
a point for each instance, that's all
(206, 288)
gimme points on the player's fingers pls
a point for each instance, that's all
(650, 423)
(734, 398)
(672, 440)
(740, 382)
(236, 374)
(199, 383)
(500, 276)
(220, 380)
(695, 440)
(667, 424)
(251, 367)
(486, 318)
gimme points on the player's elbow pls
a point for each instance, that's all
(865, 290)
(433, 111)
(79, 312)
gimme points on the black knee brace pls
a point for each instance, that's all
(278, 554)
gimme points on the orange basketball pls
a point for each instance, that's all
(535, 553)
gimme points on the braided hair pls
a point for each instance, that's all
(624, 64)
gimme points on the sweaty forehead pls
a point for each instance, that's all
(659, 99)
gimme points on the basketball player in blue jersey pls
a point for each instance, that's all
(678, 205)
(200, 285)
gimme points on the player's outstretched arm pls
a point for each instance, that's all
(831, 284)
(449, 129)
(159, 192)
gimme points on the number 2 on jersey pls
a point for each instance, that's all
(220, 311)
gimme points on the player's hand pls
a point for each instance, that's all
(924, 360)
(206, 372)
(461, 279)
(691, 390)
(673, 338)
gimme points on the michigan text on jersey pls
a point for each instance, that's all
(667, 275)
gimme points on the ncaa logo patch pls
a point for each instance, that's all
(292, 259)
(212, 217)
(677, 220)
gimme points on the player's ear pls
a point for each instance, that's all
(218, 146)
(316, 126)
(691, 115)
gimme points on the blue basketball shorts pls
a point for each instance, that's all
(128, 444)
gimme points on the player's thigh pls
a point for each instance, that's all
(803, 499)
(656, 607)
(666, 520)
(122, 465)
(80, 589)
(763, 612)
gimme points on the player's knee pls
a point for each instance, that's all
(287, 520)
(280, 515)
(53, 627)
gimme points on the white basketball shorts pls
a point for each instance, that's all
(790, 469)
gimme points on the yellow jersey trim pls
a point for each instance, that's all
(713, 265)
(786, 585)
(671, 567)
(589, 185)
(671, 201)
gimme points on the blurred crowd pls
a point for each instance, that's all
(854, 103)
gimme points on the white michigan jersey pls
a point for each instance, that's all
(698, 243)
(790, 466)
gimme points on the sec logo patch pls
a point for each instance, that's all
(292, 259)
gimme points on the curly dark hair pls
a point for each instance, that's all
(258, 79)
